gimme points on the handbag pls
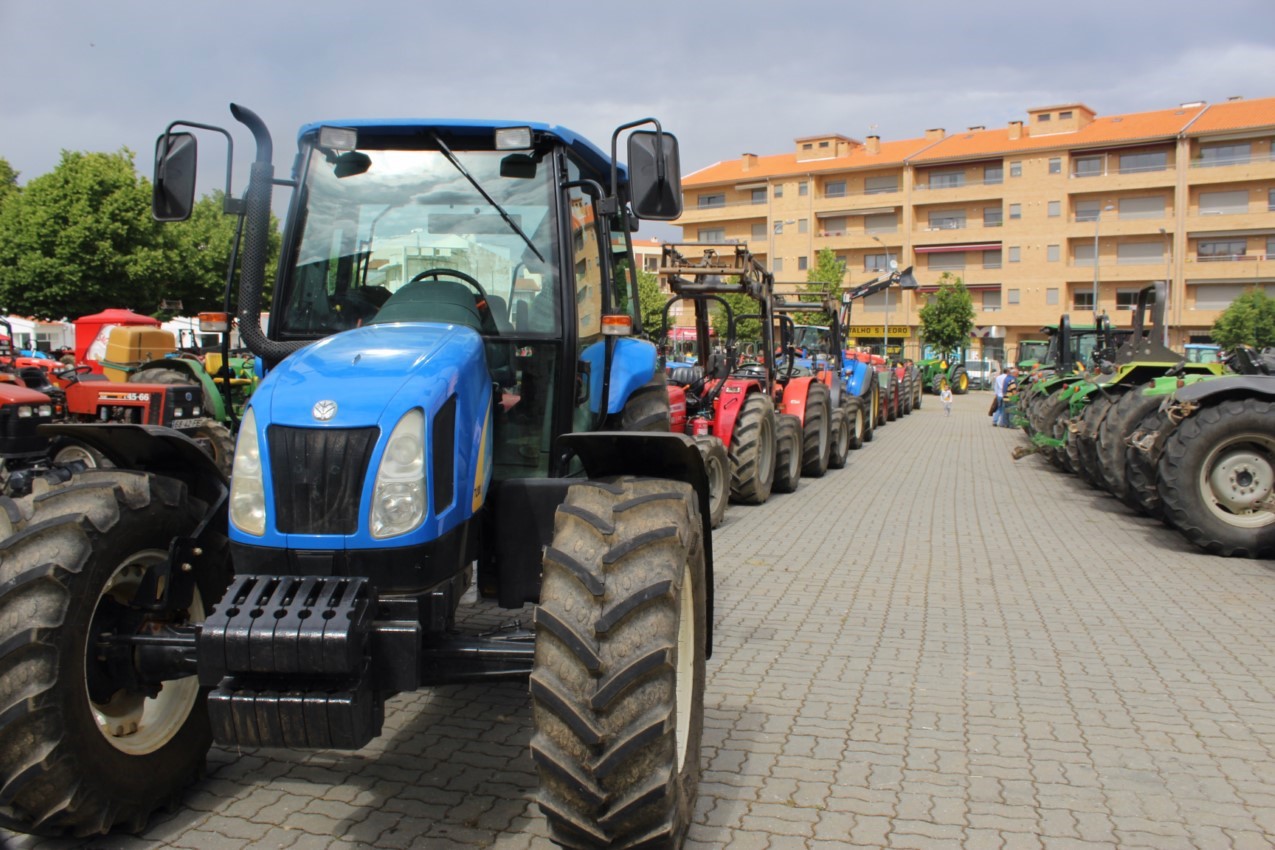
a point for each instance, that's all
(995, 404)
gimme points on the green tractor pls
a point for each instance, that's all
(1031, 353)
(950, 366)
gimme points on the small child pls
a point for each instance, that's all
(945, 395)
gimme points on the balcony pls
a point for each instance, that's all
(971, 231)
(1231, 170)
(1258, 216)
(1230, 267)
(1117, 179)
(947, 193)
(1082, 227)
(737, 211)
(858, 203)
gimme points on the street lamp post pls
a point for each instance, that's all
(885, 331)
(1097, 219)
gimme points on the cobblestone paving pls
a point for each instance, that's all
(936, 647)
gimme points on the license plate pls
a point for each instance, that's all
(189, 423)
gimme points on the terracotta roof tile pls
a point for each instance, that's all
(732, 171)
(1235, 115)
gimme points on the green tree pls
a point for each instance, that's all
(8, 180)
(651, 301)
(746, 330)
(825, 280)
(948, 316)
(1250, 320)
(81, 238)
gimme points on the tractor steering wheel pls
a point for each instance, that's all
(71, 375)
(484, 309)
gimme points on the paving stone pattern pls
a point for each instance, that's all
(936, 647)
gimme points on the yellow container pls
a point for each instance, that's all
(130, 346)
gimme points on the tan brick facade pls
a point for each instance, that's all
(1187, 193)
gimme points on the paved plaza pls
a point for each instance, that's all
(935, 647)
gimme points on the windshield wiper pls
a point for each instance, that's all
(513, 225)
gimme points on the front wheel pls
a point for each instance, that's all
(856, 423)
(617, 685)
(752, 451)
(840, 450)
(816, 442)
(788, 442)
(85, 746)
(1217, 478)
(717, 468)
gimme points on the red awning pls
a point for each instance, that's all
(952, 249)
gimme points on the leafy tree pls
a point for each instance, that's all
(8, 180)
(1250, 320)
(747, 330)
(79, 239)
(651, 301)
(947, 319)
(823, 281)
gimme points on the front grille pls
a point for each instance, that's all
(318, 477)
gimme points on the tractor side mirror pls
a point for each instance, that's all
(655, 175)
(173, 192)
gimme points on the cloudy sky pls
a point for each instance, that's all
(725, 77)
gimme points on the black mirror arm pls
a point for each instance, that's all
(233, 205)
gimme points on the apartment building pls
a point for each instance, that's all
(1065, 211)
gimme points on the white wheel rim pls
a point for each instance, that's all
(685, 676)
(1236, 477)
(132, 723)
(75, 452)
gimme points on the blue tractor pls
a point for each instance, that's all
(455, 394)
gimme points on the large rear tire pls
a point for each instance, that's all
(646, 409)
(1112, 448)
(752, 451)
(870, 415)
(960, 381)
(618, 680)
(816, 442)
(856, 422)
(788, 442)
(1143, 492)
(173, 377)
(82, 750)
(717, 468)
(840, 450)
(1216, 475)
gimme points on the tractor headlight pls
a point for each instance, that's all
(398, 498)
(247, 489)
(45, 411)
(25, 411)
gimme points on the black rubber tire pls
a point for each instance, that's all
(717, 467)
(63, 450)
(752, 451)
(1143, 492)
(892, 398)
(936, 385)
(617, 685)
(907, 395)
(870, 414)
(918, 391)
(17, 513)
(816, 432)
(177, 377)
(960, 381)
(839, 451)
(1053, 424)
(1090, 420)
(61, 773)
(856, 422)
(646, 409)
(217, 440)
(1230, 429)
(1113, 438)
(788, 442)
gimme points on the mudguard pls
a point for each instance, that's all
(632, 366)
(1217, 389)
(795, 392)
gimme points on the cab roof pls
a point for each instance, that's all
(587, 150)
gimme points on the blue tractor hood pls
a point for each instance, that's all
(364, 371)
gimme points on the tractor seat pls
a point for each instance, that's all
(35, 378)
(686, 376)
(432, 301)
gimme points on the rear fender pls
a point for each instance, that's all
(632, 366)
(727, 405)
(794, 397)
(1214, 390)
(652, 455)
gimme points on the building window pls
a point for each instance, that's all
(881, 185)
(834, 189)
(993, 216)
(1082, 254)
(833, 226)
(1013, 296)
(803, 225)
(1015, 211)
(779, 227)
(991, 300)
(1043, 117)
(946, 261)
(1088, 210)
(1127, 299)
(1014, 252)
(1270, 200)
(1053, 253)
(1051, 296)
(759, 196)
(1086, 166)
(993, 174)
(1055, 209)
(716, 234)
(1224, 203)
(949, 179)
(947, 220)
(1270, 247)
(881, 223)
(823, 144)
(1135, 163)
(803, 189)
(992, 259)
(779, 190)
(807, 147)
(1235, 153)
(1065, 115)
(778, 265)
(875, 262)
(1016, 168)
(1152, 207)
(1055, 165)
(718, 200)
(1082, 300)
(759, 232)
(801, 264)
(1215, 250)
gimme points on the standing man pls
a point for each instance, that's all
(998, 388)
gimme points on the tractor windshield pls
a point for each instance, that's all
(811, 338)
(402, 235)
